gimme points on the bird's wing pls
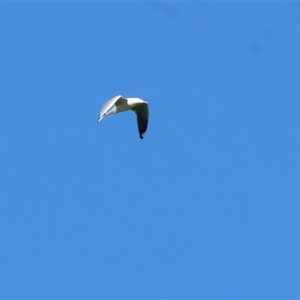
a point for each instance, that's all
(109, 104)
(142, 112)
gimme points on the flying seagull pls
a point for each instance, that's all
(119, 104)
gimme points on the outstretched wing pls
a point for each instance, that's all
(109, 104)
(142, 112)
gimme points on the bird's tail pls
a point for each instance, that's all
(107, 113)
(100, 117)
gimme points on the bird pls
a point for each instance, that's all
(119, 104)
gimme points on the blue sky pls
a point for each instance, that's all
(206, 206)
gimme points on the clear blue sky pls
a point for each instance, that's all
(206, 206)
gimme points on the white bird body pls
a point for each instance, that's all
(119, 104)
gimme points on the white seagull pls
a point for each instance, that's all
(119, 104)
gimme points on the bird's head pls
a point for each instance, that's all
(134, 101)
